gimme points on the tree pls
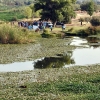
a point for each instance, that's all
(76, 7)
(81, 20)
(95, 21)
(34, 14)
(56, 10)
(87, 19)
(28, 12)
(89, 7)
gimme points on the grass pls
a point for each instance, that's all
(75, 29)
(4, 7)
(75, 83)
(14, 35)
(8, 15)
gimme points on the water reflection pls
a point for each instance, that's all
(94, 41)
(77, 41)
(55, 62)
(91, 41)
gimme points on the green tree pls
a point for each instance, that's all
(56, 10)
(87, 19)
(95, 21)
(34, 13)
(28, 12)
(89, 7)
(81, 20)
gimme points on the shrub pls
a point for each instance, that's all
(60, 35)
(90, 31)
(95, 21)
(46, 34)
(83, 33)
(87, 19)
(14, 19)
(13, 35)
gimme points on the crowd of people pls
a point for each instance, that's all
(36, 25)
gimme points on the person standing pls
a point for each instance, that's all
(63, 27)
(51, 27)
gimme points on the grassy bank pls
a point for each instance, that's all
(15, 35)
(82, 31)
(75, 83)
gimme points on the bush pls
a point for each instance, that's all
(87, 19)
(14, 19)
(90, 31)
(46, 34)
(13, 35)
(83, 33)
(95, 21)
(60, 35)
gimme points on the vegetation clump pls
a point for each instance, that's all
(14, 35)
(91, 30)
(46, 34)
(95, 21)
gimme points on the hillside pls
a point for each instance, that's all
(28, 2)
(80, 1)
(16, 2)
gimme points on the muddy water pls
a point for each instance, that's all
(87, 52)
